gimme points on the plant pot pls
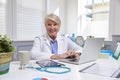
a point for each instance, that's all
(5, 59)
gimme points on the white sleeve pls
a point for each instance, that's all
(73, 46)
(36, 51)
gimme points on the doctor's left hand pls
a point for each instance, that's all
(66, 55)
(73, 54)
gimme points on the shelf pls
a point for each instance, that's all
(99, 8)
(96, 4)
(89, 6)
(89, 15)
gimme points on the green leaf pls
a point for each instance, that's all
(5, 44)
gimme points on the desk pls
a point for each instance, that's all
(28, 74)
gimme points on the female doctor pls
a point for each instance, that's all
(52, 46)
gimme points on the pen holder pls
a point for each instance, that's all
(24, 58)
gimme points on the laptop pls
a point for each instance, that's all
(90, 51)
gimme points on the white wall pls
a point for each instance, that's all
(68, 14)
(58, 7)
(114, 23)
(71, 16)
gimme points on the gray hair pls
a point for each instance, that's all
(52, 17)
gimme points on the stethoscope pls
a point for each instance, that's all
(47, 69)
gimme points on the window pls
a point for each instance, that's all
(29, 19)
(24, 19)
(2, 17)
(93, 18)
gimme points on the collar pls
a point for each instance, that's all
(47, 38)
(50, 39)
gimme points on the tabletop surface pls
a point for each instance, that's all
(29, 74)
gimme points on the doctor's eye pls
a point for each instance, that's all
(55, 24)
(49, 24)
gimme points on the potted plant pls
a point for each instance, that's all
(6, 50)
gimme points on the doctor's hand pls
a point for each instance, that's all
(59, 56)
(73, 54)
(68, 54)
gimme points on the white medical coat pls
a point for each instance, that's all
(42, 50)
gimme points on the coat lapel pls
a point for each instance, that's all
(46, 40)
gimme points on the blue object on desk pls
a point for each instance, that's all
(40, 79)
(73, 37)
(37, 79)
(45, 69)
(106, 52)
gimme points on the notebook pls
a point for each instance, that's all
(90, 51)
(109, 68)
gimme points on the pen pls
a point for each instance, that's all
(87, 67)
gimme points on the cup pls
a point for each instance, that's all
(24, 58)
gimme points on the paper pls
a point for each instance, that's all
(103, 70)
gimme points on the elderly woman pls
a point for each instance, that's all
(51, 45)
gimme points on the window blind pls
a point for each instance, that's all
(2, 18)
(29, 19)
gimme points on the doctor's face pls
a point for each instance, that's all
(52, 29)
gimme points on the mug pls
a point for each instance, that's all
(24, 58)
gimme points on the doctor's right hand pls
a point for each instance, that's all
(72, 54)
(58, 56)
(68, 54)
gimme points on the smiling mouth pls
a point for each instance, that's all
(52, 31)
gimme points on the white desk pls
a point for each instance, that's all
(28, 74)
